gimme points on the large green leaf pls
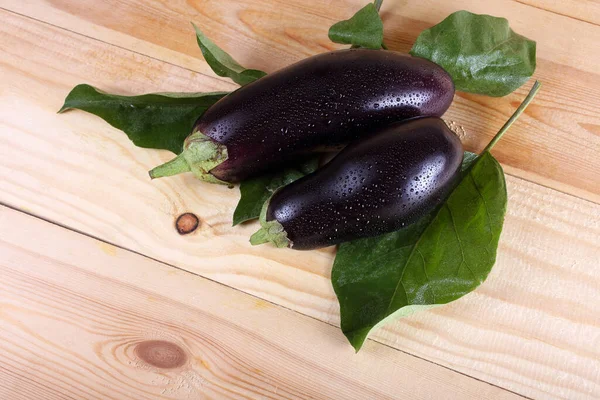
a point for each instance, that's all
(438, 259)
(157, 121)
(434, 261)
(481, 53)
(364, 29)
(223, 64)
(256, 191)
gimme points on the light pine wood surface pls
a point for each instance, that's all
(83, 319)
(73, 305)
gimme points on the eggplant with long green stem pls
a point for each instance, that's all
(324, 101)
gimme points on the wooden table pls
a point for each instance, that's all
(101, 298)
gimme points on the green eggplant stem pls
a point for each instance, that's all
(176, 166)
(270, 231)
(273, 232)
(200, 155)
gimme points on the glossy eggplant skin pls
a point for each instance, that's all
(372, 187)
(323, 101)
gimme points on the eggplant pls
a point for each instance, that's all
(324, 101)
(373, 186)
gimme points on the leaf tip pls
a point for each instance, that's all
(74, 92)
(357, 343)
(364, 29)
(357, 337)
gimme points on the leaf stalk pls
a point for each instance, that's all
(377, 4)
(536, 87)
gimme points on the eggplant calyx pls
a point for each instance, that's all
(200, 155)
(273, 232)
(270, 231)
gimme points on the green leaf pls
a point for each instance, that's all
(156, 121)
(255, 192)
(439, 259)
(223, 64)
(364, 29)
(481, 53)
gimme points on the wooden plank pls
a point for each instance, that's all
(580, 10)
(76, 170)
(80, 318)
(557, 147)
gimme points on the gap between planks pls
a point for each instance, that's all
(555, 12)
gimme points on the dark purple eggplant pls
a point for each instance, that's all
(373, 186)
(323, 101)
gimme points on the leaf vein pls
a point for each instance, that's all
(485, 206)
(462, 251)
(426, 276)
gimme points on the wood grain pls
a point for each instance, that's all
(580, 10)
(82, 319)
(532, 327)
(556, 147)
